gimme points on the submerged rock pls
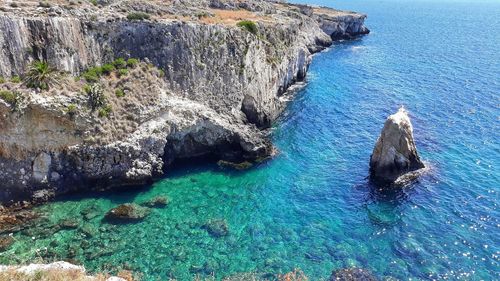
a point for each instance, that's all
(157, 202)
(237, 166)
(5, 243)
(68, 224)
(129, 212)
(395, 153)
(217, 227)
(352, 274)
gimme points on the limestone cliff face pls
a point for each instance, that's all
(395, 153)
(221, 84)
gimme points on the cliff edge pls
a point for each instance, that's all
(129, 86)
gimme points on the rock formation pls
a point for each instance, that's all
(128, 212)
(207, 85)
(395, 153)
(59, 270)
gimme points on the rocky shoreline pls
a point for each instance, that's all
(210, 78)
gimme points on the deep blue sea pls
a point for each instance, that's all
(312, 206)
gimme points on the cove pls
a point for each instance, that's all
(311, 207)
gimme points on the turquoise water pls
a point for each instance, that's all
(312, 207)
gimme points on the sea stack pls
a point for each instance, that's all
(395, 153)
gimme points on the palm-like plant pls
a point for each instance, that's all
(40, 75)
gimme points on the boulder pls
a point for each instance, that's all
(68, 224)
(352, 274)
(129, 212)
(217, 227)
(395, 153)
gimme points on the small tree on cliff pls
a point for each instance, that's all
(40, 76)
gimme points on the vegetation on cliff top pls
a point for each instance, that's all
(138, 16)
(248, 25)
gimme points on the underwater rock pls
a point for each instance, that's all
(68, 224)
(91, 212)
(295, 275)
(210, 266)
(217, 227)
(5, 243)
(352, 274)
(16, 219)
(88, 230)
(128, 212)
(237, 166)
(395, 153)
(157, 202)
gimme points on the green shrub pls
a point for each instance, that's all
(120, 63)
(15, 79)
(44, 4)
(94, 2)
(2, 80)
(202, 15)
(161, 72)
(71, 110)
(95, 95)
(249, 25)
(12, 98)
(137, 16)
(40, 75)
(105, 111)
(93, 74)
(9, 97)
(107, 69)
(132, 62)
(122, 72)
(119, 93)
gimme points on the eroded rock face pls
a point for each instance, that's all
(41, 167)
(395, 153)
(221, 85)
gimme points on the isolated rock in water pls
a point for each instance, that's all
(127, 213)
(395, 153)
(352, 274)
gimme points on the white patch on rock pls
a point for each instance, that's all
(41, 167)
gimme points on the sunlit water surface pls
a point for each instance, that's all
(312, 207)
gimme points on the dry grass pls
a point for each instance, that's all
(231, 17)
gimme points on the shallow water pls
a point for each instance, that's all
(312, 207)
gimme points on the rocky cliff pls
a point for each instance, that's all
(211, 77)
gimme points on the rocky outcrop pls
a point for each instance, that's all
(220, 85)
(395, 153)
(59, 270)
